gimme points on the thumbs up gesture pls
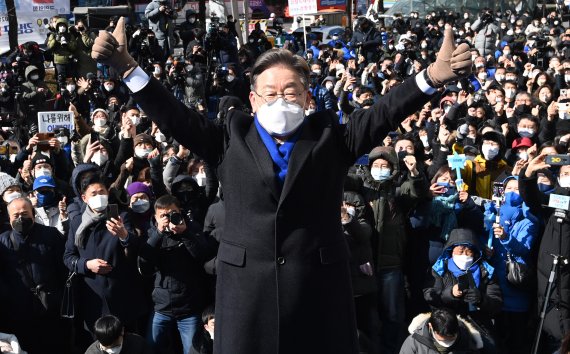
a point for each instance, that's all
(452, 62)
(111, 49)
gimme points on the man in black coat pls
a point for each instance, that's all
(283, 282)
(32, 275)
(368, 40)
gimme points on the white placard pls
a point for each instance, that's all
(558, 201)
(30, 28)
(302, 7)
(49, 121)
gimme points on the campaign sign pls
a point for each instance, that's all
(49, 121)
(456, 161)
(558, 201)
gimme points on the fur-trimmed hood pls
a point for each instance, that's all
(419, 326)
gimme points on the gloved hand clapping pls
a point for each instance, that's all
(452, 62)
(111, 49)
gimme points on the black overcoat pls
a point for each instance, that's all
(283, 283)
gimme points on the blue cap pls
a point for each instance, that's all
(44, 181)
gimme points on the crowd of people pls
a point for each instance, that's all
(124, 224)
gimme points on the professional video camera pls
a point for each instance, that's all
(221, 73)
(178, 76)
(544, 51)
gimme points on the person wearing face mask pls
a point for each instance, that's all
(191, 196)
(173, 255)
(44, 165)
(10, 189)
(35, 94)
(102, 250)
(357, 228)
(323, 97)
(554, 240)
(50, 209)
(84, 39)
(479, 297)
(277, 150)
(486, 32)
(518, 151)
(32, 258)
(140, 200)
(194, 87)
(513, 237)
(329, 83)
(63, 46)
(101, 129)
(186, 28)
(390, 206)
(112, 338)
(480, 173)
(442, 331)
(367, 39)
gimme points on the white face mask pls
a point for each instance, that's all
(564, 182)
(135, 119)
(445, 343)
(189, 68)
(160, 137)
(489, 151)
(140, 206)
(280, 118)
(526, 133)
(499, 77)
(567, 78)
(317, 71)
(510, 94)
(8, 197)
(34, 77)
(540, 82)
(424, 139)
(98, 202)
(62, 140)
(200, 179)
(109, 87)
(351, 211)
(43, 172)
(545, 98)
(230, 78)
(329, 85)
(462, 261)
(157, 70)
(523, 156)
(142, 152)
(113, 350)
(62, 29)
(310, 111)
(482, 76)
(380, 174)
(99, 159)
(70, 88)
(100, 122)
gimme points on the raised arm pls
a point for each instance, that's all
(188, 127)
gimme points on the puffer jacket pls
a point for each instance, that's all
(62, 53)
(391, 206)
(439, 294)
(485, 37)
(34, 101)
(420, 340)
(180, 286)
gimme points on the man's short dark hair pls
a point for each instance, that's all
(444, 322)
(108, 329)
(166, 201)
(208, 314)
(276, 57)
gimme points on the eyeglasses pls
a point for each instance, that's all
(270, 97)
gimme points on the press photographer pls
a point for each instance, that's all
(145, 48)
(63, 46)
(486, 32)
(221, 43)
(160, 15)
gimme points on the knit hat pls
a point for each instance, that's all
(143, 139)
(99, 110)
(138, 187)
(6, 181)
(41, 158)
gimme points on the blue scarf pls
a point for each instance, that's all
(474, 270)
(279, 154)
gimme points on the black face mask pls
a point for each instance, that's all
(402, 154)
(113, 107)
(367, 102)
(23, 225)
(523, 109)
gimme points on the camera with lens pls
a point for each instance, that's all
(221, 72)
(176, 218)
(487, 17)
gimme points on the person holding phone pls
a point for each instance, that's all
(102, 250)
(463, 281)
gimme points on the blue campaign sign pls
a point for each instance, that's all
(456, 161)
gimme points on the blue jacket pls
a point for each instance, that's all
(521, 229)
(323, 98)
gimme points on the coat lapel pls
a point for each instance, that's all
(262, 160)
(301, 151)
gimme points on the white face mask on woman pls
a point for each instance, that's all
(280, 118)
